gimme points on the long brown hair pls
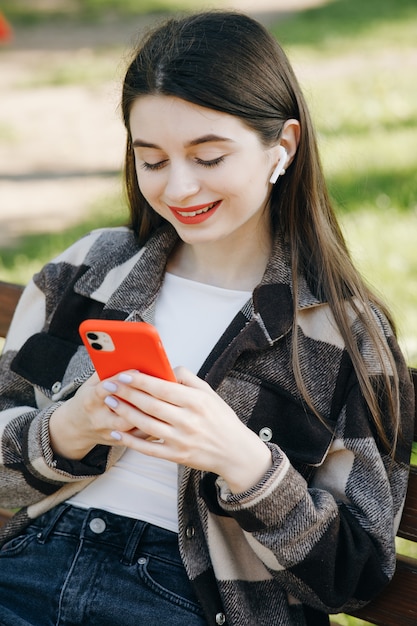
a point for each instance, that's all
(229, 62)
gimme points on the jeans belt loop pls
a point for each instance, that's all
(59, 511)
(128, 556)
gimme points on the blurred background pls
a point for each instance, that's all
(62, 139)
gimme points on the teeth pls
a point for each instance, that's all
(194, 213)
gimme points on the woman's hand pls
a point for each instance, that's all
(187, 423)
(85, 421)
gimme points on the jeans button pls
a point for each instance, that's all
(220, 618)
(97, 525)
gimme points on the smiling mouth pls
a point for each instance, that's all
(197, 211)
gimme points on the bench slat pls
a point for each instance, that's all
(396, 605)
(413, 371)
(5, 515)
(9, 296)
(408, 525)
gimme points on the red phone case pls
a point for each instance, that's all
(115, 346)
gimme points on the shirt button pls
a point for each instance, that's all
(190, 532)
(265, 434)
(97, 525)
(56, 387)
(220, 618)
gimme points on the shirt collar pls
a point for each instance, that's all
(127, 279)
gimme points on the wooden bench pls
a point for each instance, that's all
(397, 604)
(9, 296)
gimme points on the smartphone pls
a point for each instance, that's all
(115, 346)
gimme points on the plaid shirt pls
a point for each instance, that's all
(316, 534)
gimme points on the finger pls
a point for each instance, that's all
(177, 394)
(185, 377)
(150, 446)
(147, 424)
(123, 406)
(148, 394)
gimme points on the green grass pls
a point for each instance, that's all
(29, 12)
(383, 244)
(341, 25)
(19, 263)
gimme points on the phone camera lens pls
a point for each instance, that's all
(97, 346)
(92, 336)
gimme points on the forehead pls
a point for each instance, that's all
(162, 116)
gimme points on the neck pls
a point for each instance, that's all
(239, 267)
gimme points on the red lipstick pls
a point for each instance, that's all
(195, 214)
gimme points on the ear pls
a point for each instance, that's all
(286, 149)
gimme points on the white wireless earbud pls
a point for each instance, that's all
(280, 168)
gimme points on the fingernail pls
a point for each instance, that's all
(115, 435)
(125, 378)
(111, 402)
(109, 386)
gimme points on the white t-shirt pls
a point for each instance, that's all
(190, 318)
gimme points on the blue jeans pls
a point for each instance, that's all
(75, 567)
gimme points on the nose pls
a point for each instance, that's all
(182, 182)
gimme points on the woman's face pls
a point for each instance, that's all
(204, 171)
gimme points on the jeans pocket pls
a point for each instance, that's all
(18, 544)
(169, 580)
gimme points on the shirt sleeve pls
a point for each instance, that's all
(29, 470)
(330, 542)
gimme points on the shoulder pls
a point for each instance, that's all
(95, 254)
(98, 244)
(101, 247)
(318, 322)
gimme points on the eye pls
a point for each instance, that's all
(211, 163)
(153, 166)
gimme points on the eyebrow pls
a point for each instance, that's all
(139, 143)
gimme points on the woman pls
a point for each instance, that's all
(290, 446)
